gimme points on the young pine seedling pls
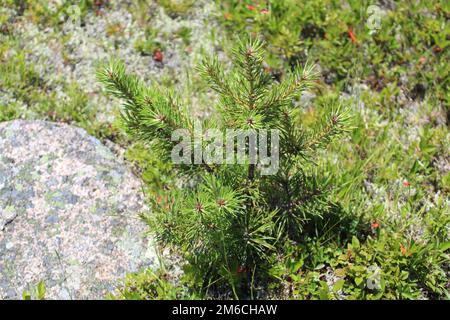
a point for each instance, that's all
(230, 219)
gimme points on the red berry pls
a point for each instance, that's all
(158, 55)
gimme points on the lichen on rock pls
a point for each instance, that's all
(69, 213)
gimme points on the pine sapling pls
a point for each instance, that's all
(228, 220)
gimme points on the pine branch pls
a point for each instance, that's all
(214, 74)
(249, 56)
(300, 80)
(336, 123)
(148, 113)
(125, 87)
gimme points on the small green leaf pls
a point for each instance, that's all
(26, 295)
(358, 281)
(40, 290)
(355, 243)
(324, 290)
(319, 266)
(338, 285)
(444, 246)
(358, 269)
(340, 272)
(298, 265)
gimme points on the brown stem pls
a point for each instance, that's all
(251, 172)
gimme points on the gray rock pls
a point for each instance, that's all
(60, 191)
